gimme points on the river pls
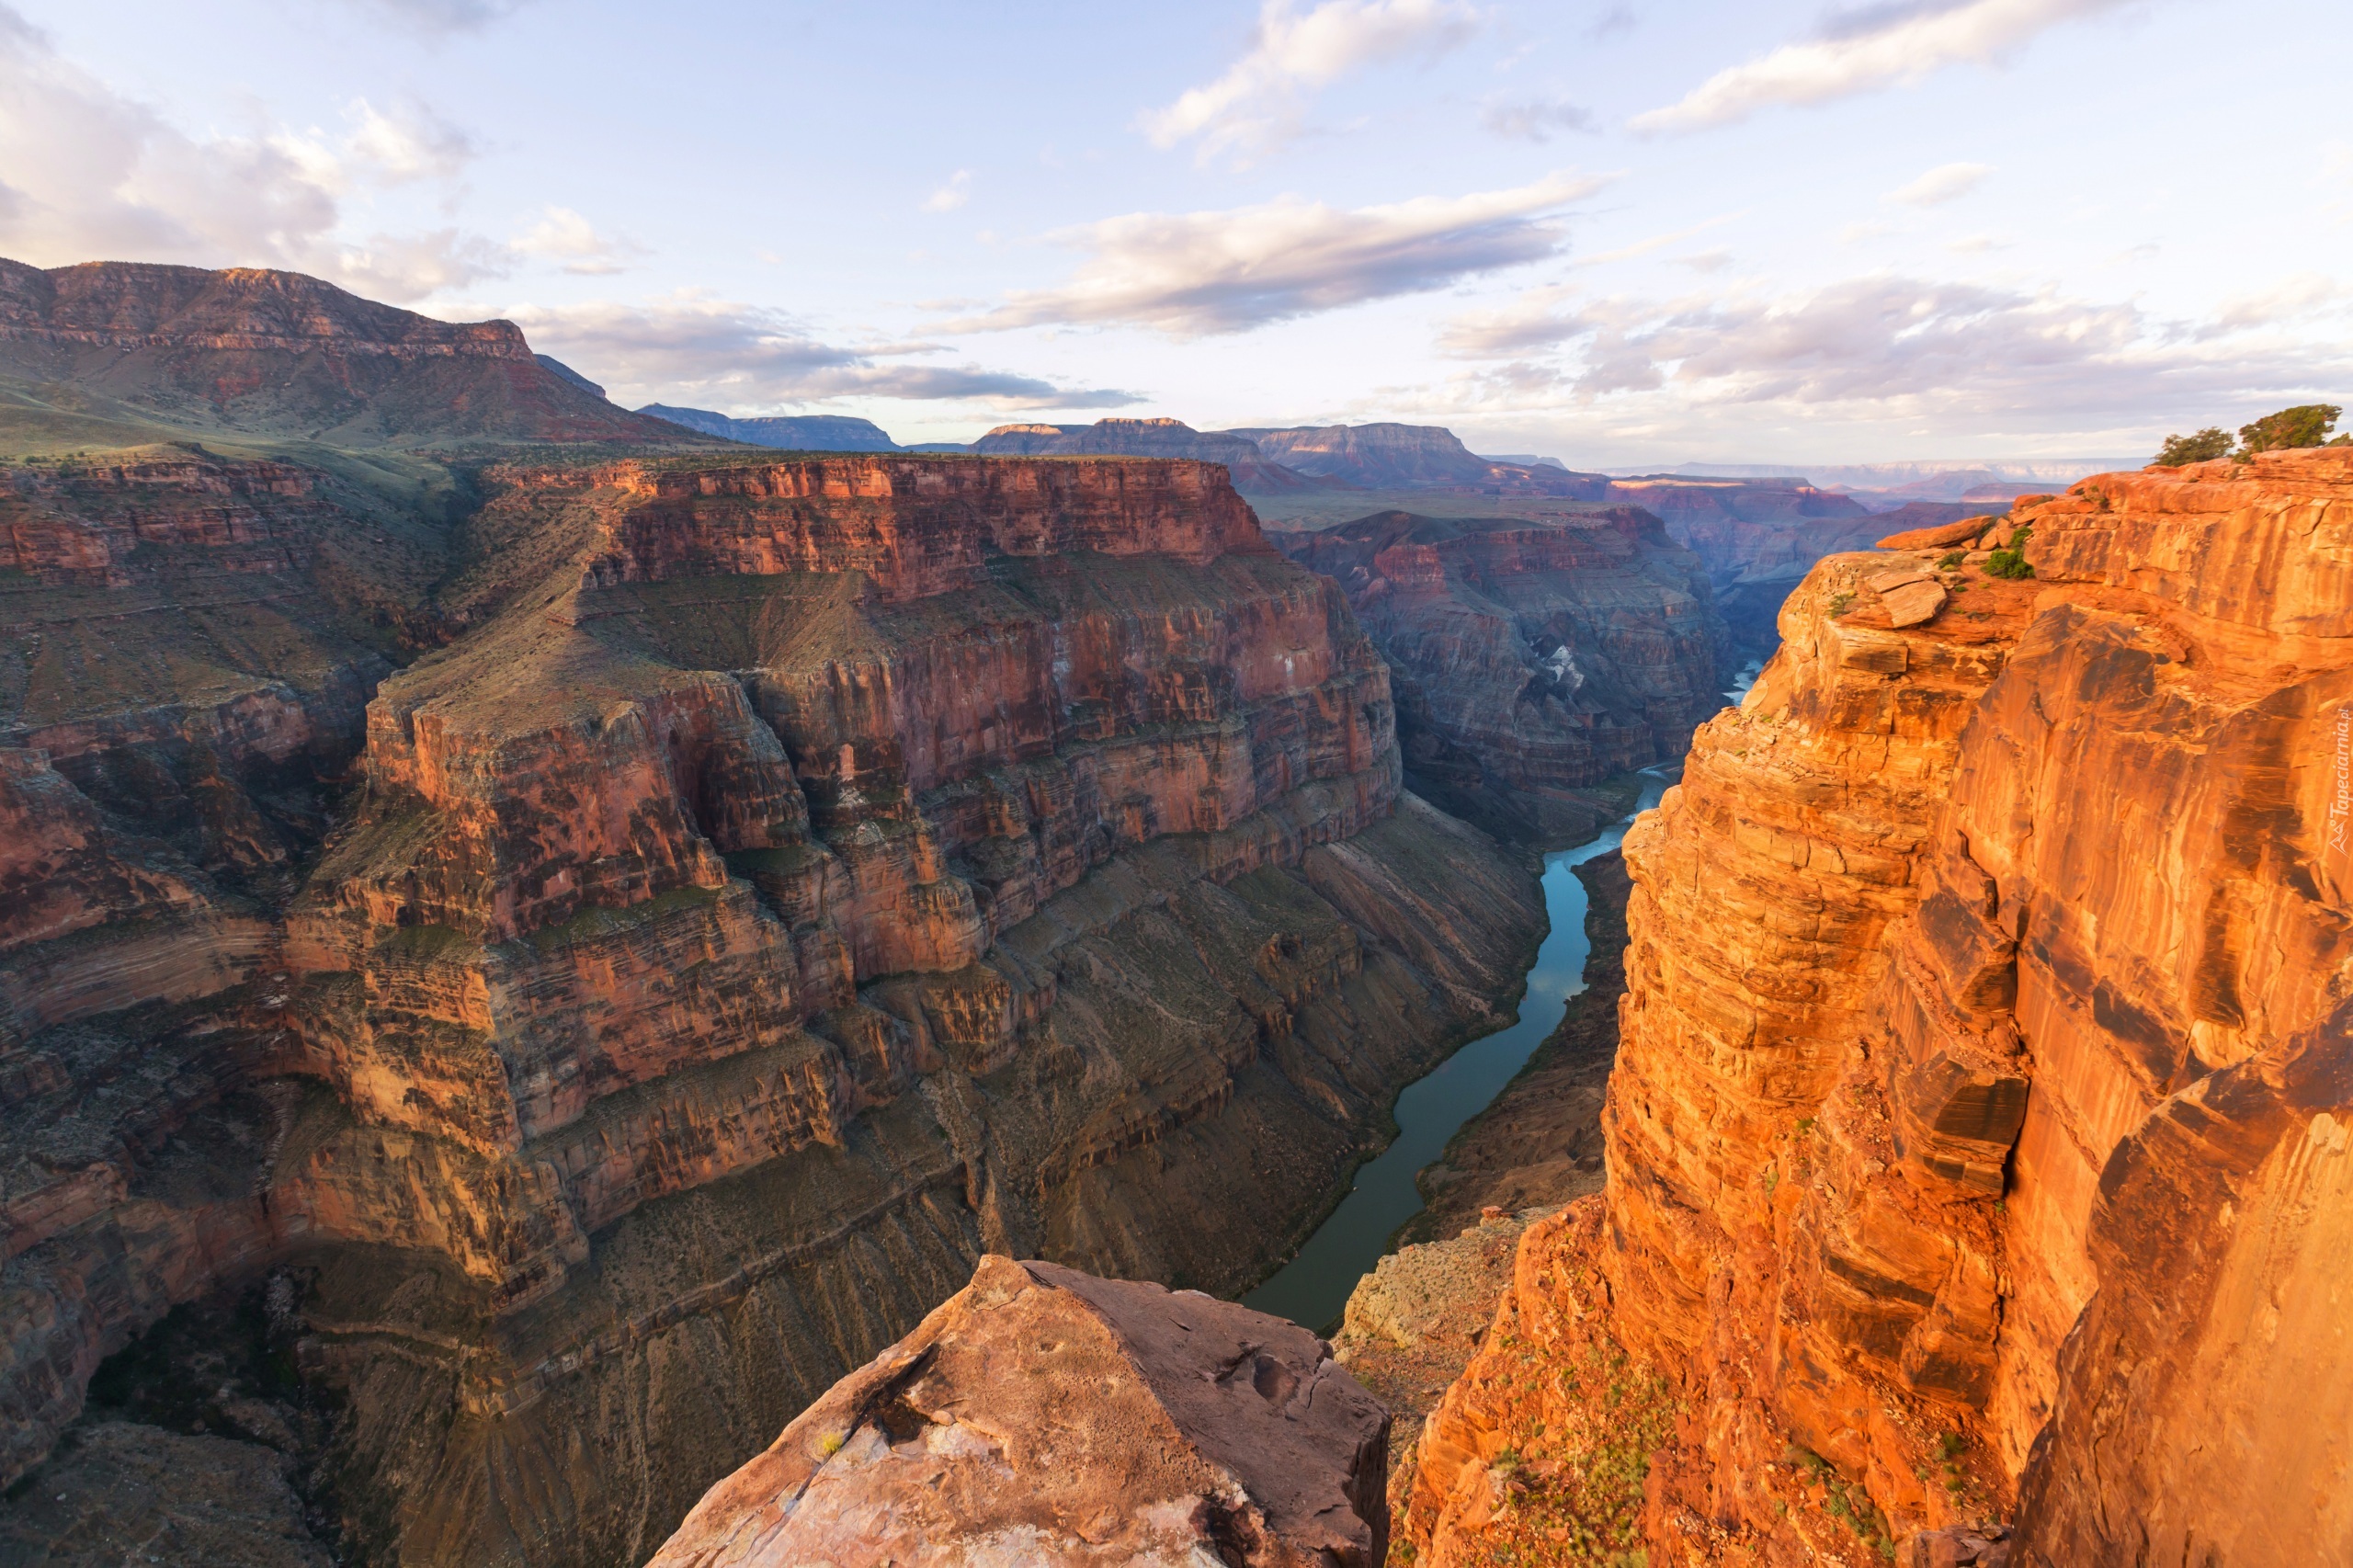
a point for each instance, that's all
(1313, 1287)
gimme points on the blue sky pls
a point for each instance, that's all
(1614, 233)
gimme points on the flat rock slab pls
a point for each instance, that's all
(1044, 1417)
(1942, 533)
(1911, 594)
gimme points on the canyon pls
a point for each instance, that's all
(529, 956)
(572, 991)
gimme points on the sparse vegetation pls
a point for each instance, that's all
(1838, 603)
(2306, 425)
(2010, 561)
(1950, 560)
(1846, 1502)
(2205, 447)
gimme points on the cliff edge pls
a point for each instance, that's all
(1976, 1144)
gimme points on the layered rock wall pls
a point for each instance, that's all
(1973, 1129)
(1531, 657)
(800, 878)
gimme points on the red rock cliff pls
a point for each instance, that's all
(1975, 1133)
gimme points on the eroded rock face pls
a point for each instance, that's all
(795, 880)
(1975, 1131)
(1043, 1415)
(1531, 657)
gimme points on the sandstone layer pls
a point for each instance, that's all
(790, 880)
(1978, 1111)
(1532, 658)
(1041, 1415)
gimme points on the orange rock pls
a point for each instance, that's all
(1955, 533)
(1985, 997)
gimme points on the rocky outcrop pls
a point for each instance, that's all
(796, 880)
(1041, 1415)
(1757, 537)
(1531, 657)
(1250, 469)
(1975, 1131)
(248, 350)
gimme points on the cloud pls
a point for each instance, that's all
(409, 144)
(952, 195)
(1658, 242)
(565, 236)
(441, 15)
(1946, 182)
(1254, 107)
(2292, 300)
(1886, 346)
(1194, 274)
(1536, 119)
(693, 348)
(1867, 49)
(86, 174)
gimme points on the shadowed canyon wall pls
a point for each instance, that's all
(1976, 1144)
(1531, 657)
(791, 880)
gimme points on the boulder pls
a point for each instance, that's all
(1043, 1415)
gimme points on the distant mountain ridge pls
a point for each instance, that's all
(792, 433)
(1144, 438)
(114, 349)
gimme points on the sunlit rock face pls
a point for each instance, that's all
(788, 881)
(1531, 657)
(1043, 1415)
(1976, 1142)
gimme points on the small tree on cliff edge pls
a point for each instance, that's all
(2306, 425)
(2209, 444)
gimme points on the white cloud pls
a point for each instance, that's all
(1254, 107)
(2292, 300)
(1879, 47)
(695, 350)
(957, 191)
(1534, 119)
(88, 175)
(1193, 275)
(1946, 182)
(409, 144)
(565, 236)
(1884, 347)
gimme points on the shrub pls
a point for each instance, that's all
(1950, 560)
(2010, 560)
(2205, 447)
(2306, 425)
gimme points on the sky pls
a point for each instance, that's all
(1614, 231)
